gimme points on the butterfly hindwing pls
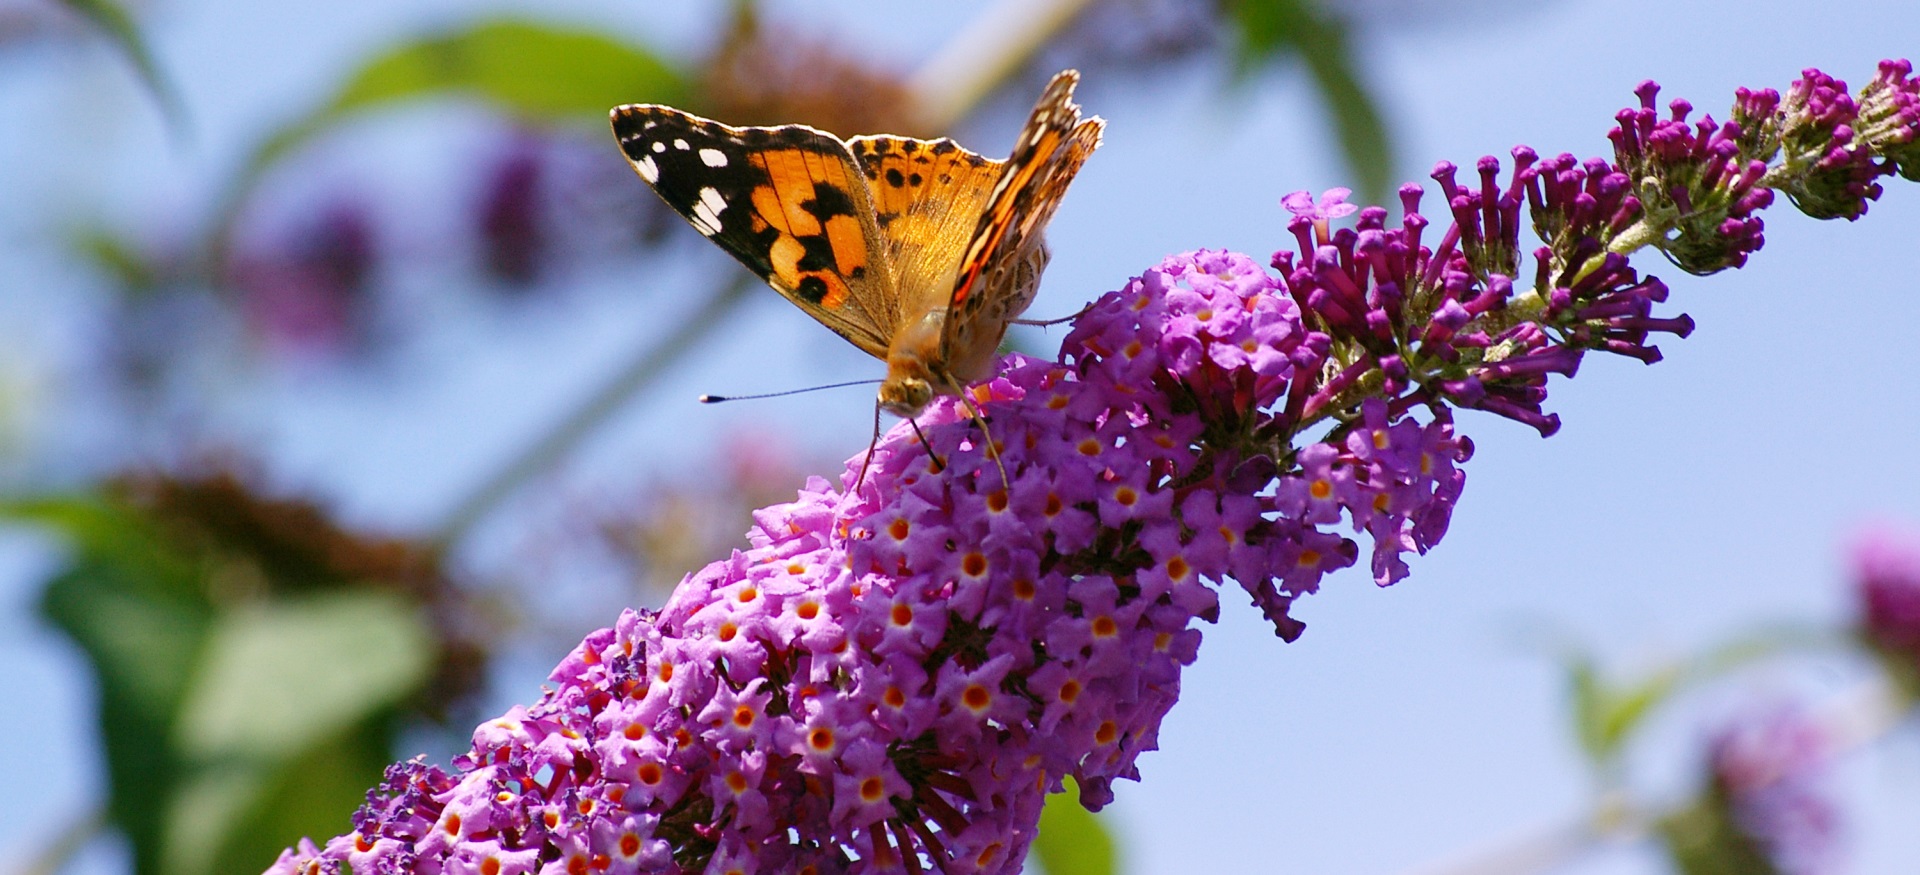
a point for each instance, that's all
(1051, 148)
(789, 202)
(1000, 269)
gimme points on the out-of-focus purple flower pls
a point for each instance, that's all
(1764, 810)
(1886, 570)
(310, 294)
(513, 215)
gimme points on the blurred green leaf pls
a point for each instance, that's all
(130, 269)
(529, 69)
(106, 531)
(1605, 714)
(234, 818)
(233, 722)
(1271, 29)
(112, 18)
(133, 606)
(281, 677)
(533, 71)
(1704, 839)
(1071, 840)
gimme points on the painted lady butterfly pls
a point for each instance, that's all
(917, 251)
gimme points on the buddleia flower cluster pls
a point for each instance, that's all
(899, 668)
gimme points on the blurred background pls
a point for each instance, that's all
(347, 379)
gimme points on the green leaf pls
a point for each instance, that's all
(277, 679)
(1606, 714)
(1705, 839)
(534, 71)
(229, 732)
(105, 531)
(1270, 29)
(113, 20)
(1071, 840)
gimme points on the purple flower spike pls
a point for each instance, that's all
(898, 669)
(1571, 201)
(890, 679)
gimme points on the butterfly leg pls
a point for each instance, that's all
(1046, 322)
(870, 445)
(939, 464)
(980, 419)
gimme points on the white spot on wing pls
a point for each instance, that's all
(680, 144)
(706, 213)
(713, 157)
(649, 171)
(659, 147)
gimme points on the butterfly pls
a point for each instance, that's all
(919, 252)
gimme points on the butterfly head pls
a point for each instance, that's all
(905, 395)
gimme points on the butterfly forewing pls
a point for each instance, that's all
(789, 202)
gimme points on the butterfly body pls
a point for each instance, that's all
(919, 252)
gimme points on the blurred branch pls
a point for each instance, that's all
(113, 19)
(566, 434)
(995, 45)
(65, 843)
(1539, 849)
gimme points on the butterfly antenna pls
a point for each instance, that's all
(716, 399)
(870, 445)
